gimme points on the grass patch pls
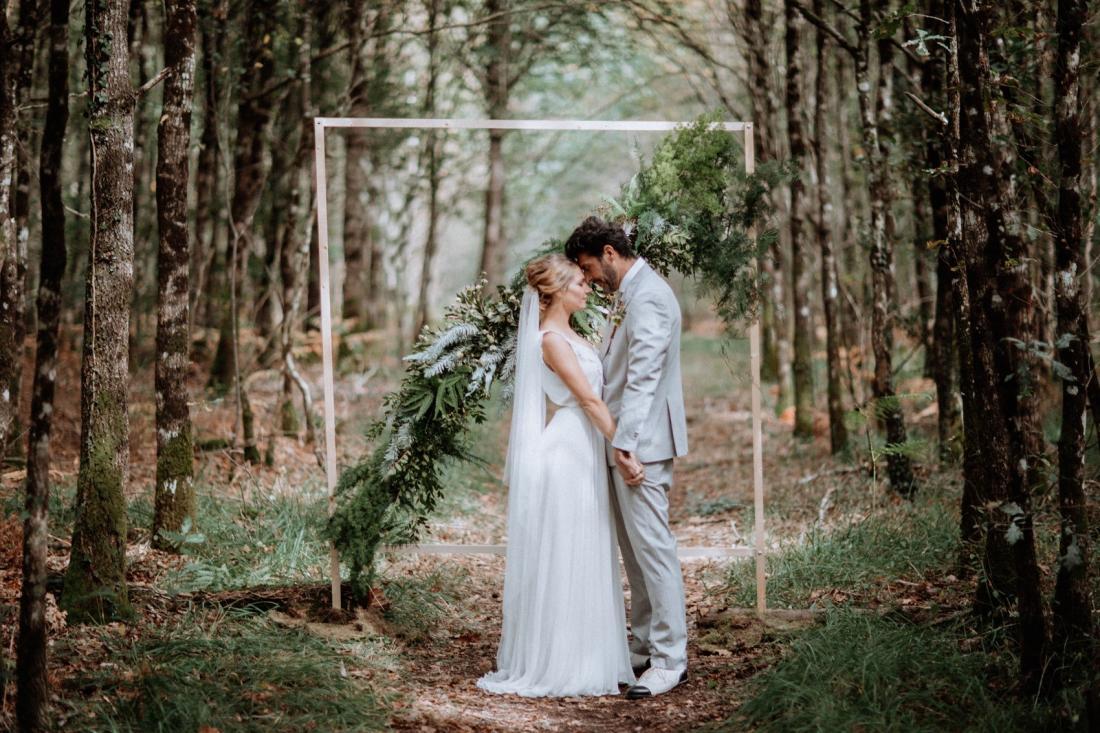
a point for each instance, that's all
(907, 540)
(268, 541)
(416, 604)
(863, 672)
(239, 673)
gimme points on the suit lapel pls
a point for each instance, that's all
(612, 332)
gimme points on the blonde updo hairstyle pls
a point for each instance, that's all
(550, 274)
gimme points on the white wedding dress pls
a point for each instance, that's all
(564, 629)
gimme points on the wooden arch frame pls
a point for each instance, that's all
(320, 124)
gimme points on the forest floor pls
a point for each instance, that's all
(234, 634)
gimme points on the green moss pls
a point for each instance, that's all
(175, 497)
(95, 583)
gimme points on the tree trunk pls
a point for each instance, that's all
(1002, 320)
(295, 250)
(204, 260)
(11, 265)
(434, 149)
(941, 348)
(762, 111)
(1072, 609)
(95, 583)
(881, 257)
(830, 290)
(800, 272)
(32, 684)
(253, 120)
(29, 18)
(364, 299)
(175, 494)
(494, 249)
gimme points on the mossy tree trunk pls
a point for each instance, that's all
(95, 583)
(32, 685)
(175, 493)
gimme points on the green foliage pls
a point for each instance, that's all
(238, 672)
(418, 603)
(908, 541)
(692, 209)
(863, 672)
(269, 541)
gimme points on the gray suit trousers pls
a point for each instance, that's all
(657, 615)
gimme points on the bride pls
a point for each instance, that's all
(564, 629)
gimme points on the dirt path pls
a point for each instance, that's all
(438, 675)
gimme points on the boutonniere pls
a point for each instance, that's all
(618, 312)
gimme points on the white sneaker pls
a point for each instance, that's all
(656, 681)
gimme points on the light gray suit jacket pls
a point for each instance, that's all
(641, 367)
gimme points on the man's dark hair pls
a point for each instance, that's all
(591, 236)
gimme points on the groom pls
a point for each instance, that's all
(642, 389)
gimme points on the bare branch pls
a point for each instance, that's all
(939, 117)
(152, 83)
(823, 25)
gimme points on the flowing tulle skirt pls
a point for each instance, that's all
(564, 629)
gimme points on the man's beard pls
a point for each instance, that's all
(610, 277)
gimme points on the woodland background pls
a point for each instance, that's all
(926, 330)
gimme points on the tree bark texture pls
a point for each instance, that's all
(204, 260)
(249, 173)
(364, 299)
(32, 683)
(1001, 327)
(294, 252)
(496, 91)
(830, 289)
(1072, 607)
(871, 100)
(30, 12)
(942, 353)
(802, 365)
(434, 150)
(11, 266)
(175, 495)
(95, 583)
(762, 111)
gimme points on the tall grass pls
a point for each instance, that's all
(237, 672)
(907, 540)
(864, 672)
(271, 540)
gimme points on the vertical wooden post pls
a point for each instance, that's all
(757, 431)
(326, 341)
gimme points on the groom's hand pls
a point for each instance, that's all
(631, 468)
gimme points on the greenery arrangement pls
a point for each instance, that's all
(692, 209)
